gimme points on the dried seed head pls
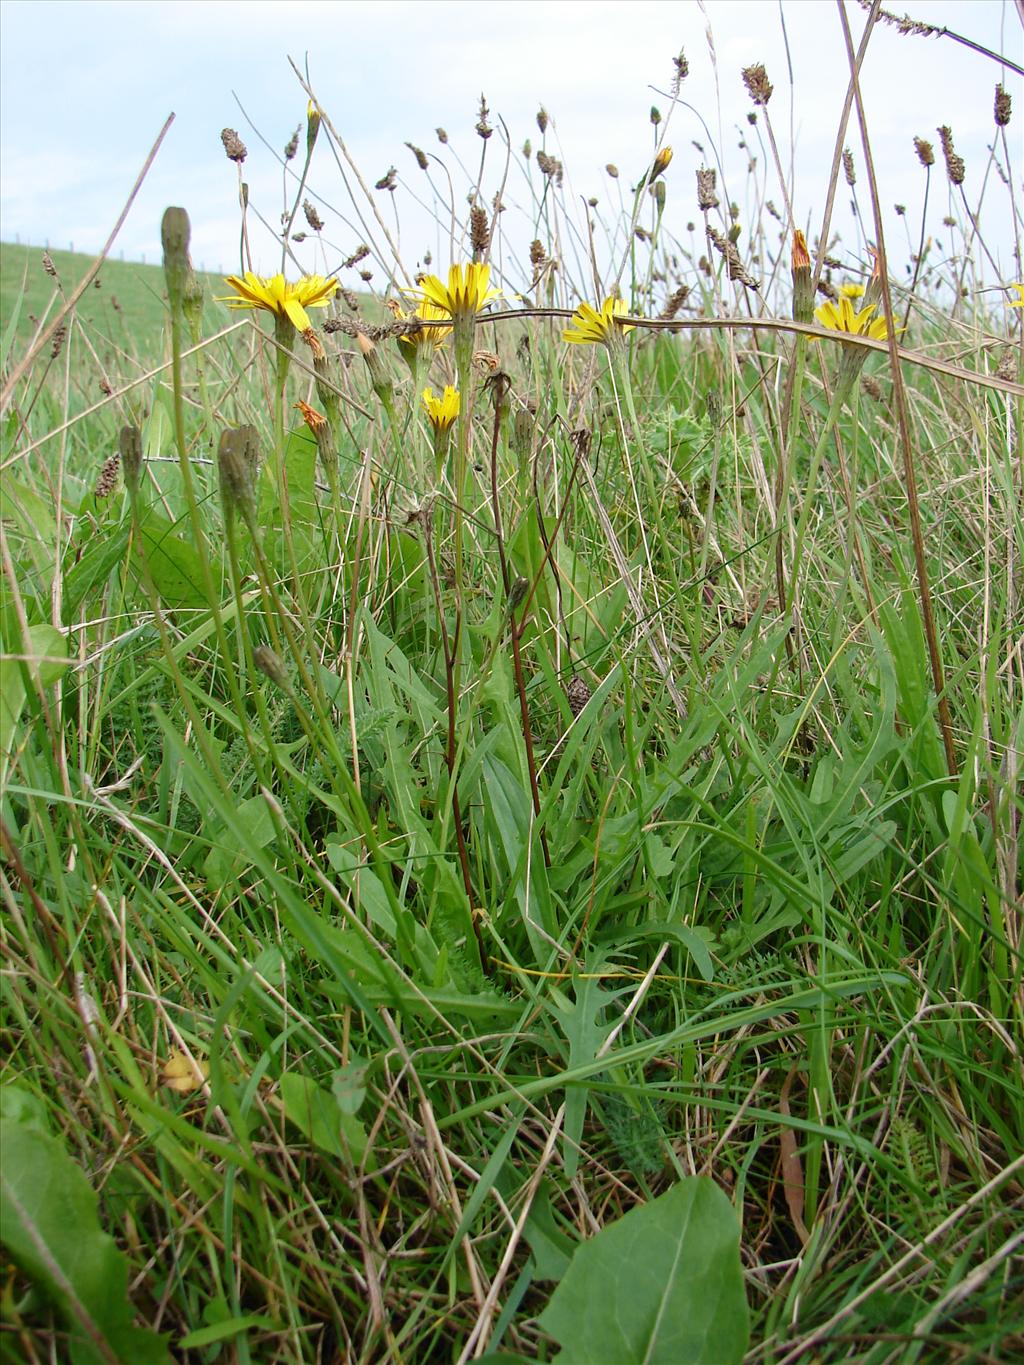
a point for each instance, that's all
(299, 236)
(527, 149)
(234, 147)
(442, 136)
(388, 182)
(737, 270)
(642, 235)
(900, 210)
(292, 145)
(577, 693)
(537, 253)
(681, 71)
(955, 167)
(360, 254)
(550, 166)
(316, 421)
(612, 170)
(925, 151)
(674, 302)
(351, 299)
(312, 217)
(479, 231)
(107, 481)
(759, 88)
(706, 196)
(314, 343)
(848, 167)
(420, 155)
(483, 128)
(655, 115)
(49, 266)
(872, 387)
(59, 337)
(1003, 107)
(366, 276)
(542, 119)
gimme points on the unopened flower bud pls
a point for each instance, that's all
(312, 126)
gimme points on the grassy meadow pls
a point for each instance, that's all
(533, 875)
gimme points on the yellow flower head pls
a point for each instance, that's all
(1018, 302)
(442, 412)
(275, 295)
(427, 339)
(589, 327)
(845, 318)
(465, 293)
(851, 291)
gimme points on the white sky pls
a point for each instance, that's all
(86, 86)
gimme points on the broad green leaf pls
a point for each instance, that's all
(661, 1286)
(316, 1112)
(50, 1227)
(228, 857)
(45, 656)
(173, 562)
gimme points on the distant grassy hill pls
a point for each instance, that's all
(125, 304)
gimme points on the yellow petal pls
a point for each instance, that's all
(181, 1076)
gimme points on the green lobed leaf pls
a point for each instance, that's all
(50, 1227)
(661, 1286)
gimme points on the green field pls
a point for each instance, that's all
(540, 888)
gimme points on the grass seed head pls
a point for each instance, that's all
(389, 181)
(292, 145)
(107, 480)
(49, 266)
(706, 196)
(955, 167)
(59, 337)
(1003, 107)
(542, 119)
(483, 128)
(420, 155)
(925, 151)
(759, 87)
(479, 231)
(849, 170)
(612, 170)
(681, 69)
(234, 147)
(312, 217)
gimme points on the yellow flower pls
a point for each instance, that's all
(443, 411)
(1018, 302)
(423, 338)
(465, 293)
(851, 291)
(845, 319)
(275, 295)
(590, 327)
